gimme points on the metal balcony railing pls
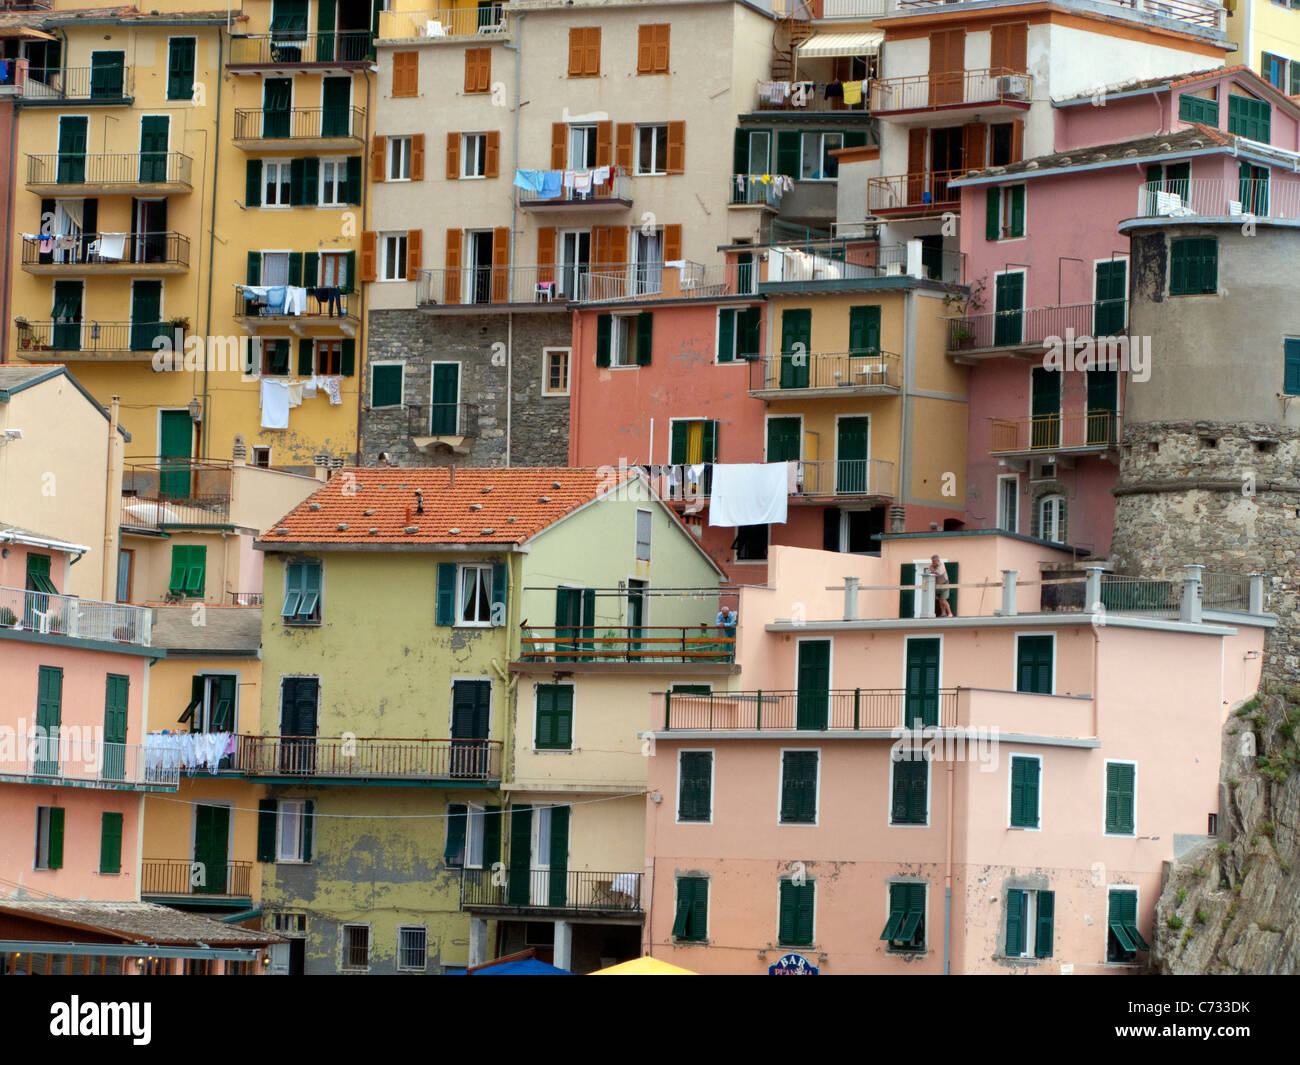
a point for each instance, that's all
(855, 9)
(918, 92)
(621, 643)
(572, 889)
(101, 83)
(616, 188)
(300, 123)
(77, 619)
(1036, 325)
(442, 419)
(444, 22)
(94, 337)
(244, 598)
(184, 876)
(291, 48)
(163, 491)
(847, 477)
(1055, 432)
(926, 190)
(125, 169)
(107, 249)
(802, 96)
(267, 301)
(485, 285)
(1140, 595)
(867, 371)
(613, 282)
(752, 190)
(1208, 16)
(837, 710)
(1219, 198)
(68, 756)
(352, 758)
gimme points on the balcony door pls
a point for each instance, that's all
(299, 702)
(277, 104)
(947, 66)
(211, 849)
(154, 134)
(471, 722)
(115, 713)
(852, 447)
(72, 150)
(921, 682)
(445, 400)
(478, 253)
(783, 438)
(149, 237)
(1045, 408)
(796, 335)
(49, 716)
(813, 684)
(175, 449)
(66, 331)
(1111, 290)
(575, 261)
(1009, 303)
(1103, 402)
(107, 75)
(539, 857)
(336, 107)
(146, 314)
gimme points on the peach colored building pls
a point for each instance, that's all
(1055, 758)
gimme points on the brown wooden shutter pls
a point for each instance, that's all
(492, 156)
(915, 164)
(947, 66)
(414, 253)
(591, 52)
(453, 156)
(973, 138)
(559, 145)
(546, 253)
(998, 48)
(604, 143)
(1018, 47)
(500, 265)
(599, 246)
(645, 49)
(1017, 140)
(478, 69)
(623, 133)
(417, 157)
(377, 150)
(369, 242)
(672, 243)
(577, 36)
(676, 148)
(617, 245)
(660, 61)
(406, 73)
(451, 276)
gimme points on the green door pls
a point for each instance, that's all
(277, 96)
(72, 150)
(1045, 407)
(813, 670)
(211, 843)
(559, 857)
(921, 694)
(66, 334)
(1103, 402)
(796, 335)
(1253, 192)
(635, 615)
(446, 397)
(1112, 291)
(175, 442)
(325, 40)
(107, 75)
(1034, 664)
(1008, 323)
(146, 314)
(864, 331)
(783, 439)
(49, 715)
(851, 447)
(521, 846)
(471, 713)
(153, 148)
(115, 701)
(336, 111)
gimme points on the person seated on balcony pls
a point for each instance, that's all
(942, 591)
(726, 622)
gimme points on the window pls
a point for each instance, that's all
(474, 602)
(652, 49)
(623, 339)
(275, 356)
(1005, 213)
(911, 791)
(1273, 67)
(1008, 502)
(302, 588)
(406, 73)
(583, 142)
(275, 187)
(799, 787)
(212, 703)
(49, 837)
(38, 574)
(694, 785)
(473, 155)
(738, 333)
(1051, 518)
(444, 406)
(1248, 117)
(386, 383)
(334, 270)
(284, 830)
(651, 149)
(816, 162)
(412, 948)
(262, 457)
(399, 159)
(554, 712)
(110, 843)
(187, 572)
(180, 68)
(1123, 940)
(356, 946)
(1035, 664)
(555, 371)
(333, 191)
(392, 248)
(905, 929)
(1121, 798)
(691, 918)
(329, 357)
(643, 525)
(1002, 144)
(1025, 772)
(1291, 366)
(795, 922)
(275, 268)
(478, 70)
(584, 52)
(1030, 917)
(692, 441)
(750, 543)
(1198, 109)
(1194, 266)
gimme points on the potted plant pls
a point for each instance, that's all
(182, 323)
(24, 328)
(965, 301)
(8, 619)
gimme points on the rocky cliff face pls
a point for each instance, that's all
(1234, 907)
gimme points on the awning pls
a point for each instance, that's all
(30, 33)
(830, 44)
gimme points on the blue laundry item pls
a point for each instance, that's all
(528, 180)
(552, 184)
(275, 297)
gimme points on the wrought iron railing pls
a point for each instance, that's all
(993, 85)
(801, 96)
(1225, 591)
(94, 337)
(571, 889)
(836, 710)
(67, 755)
(107, 249)
(616, 188)
(444, 22)
(359, 757)
(613, 282)
(752, 190)
(442, 419)
(1052, 432)
(1209, 16)
(78, 619)
(486, 285)
(1140, 595)
(623, 643)
(300, 123)
(79, 83)
(847, 477)
(847, 370)
(110, 168)
(922, 190)
(163, 491)
(268, 301)
(183, 876)
(1036, 325)
(288, 48)
(244, 598)
(1219, 198)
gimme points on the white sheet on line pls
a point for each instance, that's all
(754, 493)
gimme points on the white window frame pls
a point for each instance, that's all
(474, 823)
(292, 812)
(206, 707)
(269, 254)
(402, 385)
(1004, 215)
(396, 241)
(477, 141)
(259, 448)
(340, 167)
(548, 354)
(649, 534)
(1015, 663)
(929, 789)
(1039, 812)
(817, 797)
(41, 859)
(925, 920)
(461, 571)
(622, 341)
(589, 135)
(1105, 772)
(402, 930)
(282, 184)
(1137, 908)
(1002, 520)
(738, 561)
(343, 948)
(1057, 521)
(397, 159)
(1030, 918)
(821, 136)
(657, 166)
(713, 783)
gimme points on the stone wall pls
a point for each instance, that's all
(539, 425)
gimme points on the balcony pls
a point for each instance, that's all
(342, 128)
(749, 190)
(112, 86)
(353, 759)
(161, 493)
(173, 879)
(256, 310)
(855, 9)
(1093, 432)
(66, 756)
(802, 97)
(473, 289)
(45, 614)
(137, 254)
(630, 282)
(438, 421)
(839, 710)
(1221, 198)
(443, 23)
(77, 341)
(622, 644)
(923, 192)
(290, 51)
(997, 334)
(825, 374)
(810, 481)
(546, 889)
(998, 92)
(123, 173)
(614, 195)
(1203, 16)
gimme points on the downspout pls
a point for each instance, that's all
(363, 321)
(14, 108)
(510, 365)
(947, 874)
(517, 48)
(909, 380)
(212, 238)
(112, 507)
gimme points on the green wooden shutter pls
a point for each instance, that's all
(293, 589)
(254, 272)
(180, 68)
(906, 595)
(897, 911)
(348, 361)
(310, 188)
(563, 733)
(295, 268)
(266, 814)
(921, 693)
(311, 268)
(296, 183)
(1119, 798)
(1045, 932)
(457, 820)
(491, 836)
(710, 446)
(740, 152)
(954, 578)
(992, 213)
(56, 838)
(749, 332)
(544, 711)
(349, 271)
(787, 933)
(110, 843)
(1291, 367)
(799, 788)
(604, 324)
(180, 559)
(813, 683)
(1016, 225)
(385, 386)
(677, 441)
(644, 337)
(1024, 792)
(695, 786)
(911, 792)
(864, 330)
(445, 605)
(352, 187)
(1015, 944)
(588, 617)
(685, 899)
(308, 828)
(253, 186)
(1034, 664)
(788, 153)
(726, 334)
(518, 888)
(500, 590)
(304, 357)
(559, 857)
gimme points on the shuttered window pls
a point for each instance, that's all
(584, 52)
(1198, 109)
(110, 843)
(49, 837)
(406, 73)
(386, 385)
(1291, 366)
(795, 923)
(554, 708)
(1123, 940)
(905, 928)
(1034, 664)
(1194, 266)
(911, 792)
(1121, 778)
(478, 70)
(652, 49)
(180, 68)
(799, 787)
(691, 916)
(695, 785)
(1024, 791)
(1248, 117)
(302, 593)
(187, 571)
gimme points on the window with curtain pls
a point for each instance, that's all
(475, 595)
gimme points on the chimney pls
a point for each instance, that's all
(419, 500)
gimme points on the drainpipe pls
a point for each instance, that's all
(904, 486)
(112, 507)
(206, 430)
(510, 363)
(947, 874)
(517, 48)
(5, 272)
(363, 322)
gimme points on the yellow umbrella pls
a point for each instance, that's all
(646, 966)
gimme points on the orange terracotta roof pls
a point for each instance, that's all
(379, 505)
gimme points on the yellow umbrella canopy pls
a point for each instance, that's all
(644, 967)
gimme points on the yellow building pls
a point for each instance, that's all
(1267, 36)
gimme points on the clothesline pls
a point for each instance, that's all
(549, 184)
(278, 397)
(186, 750)
(851, 92)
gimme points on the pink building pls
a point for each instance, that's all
(1054, 758)
(1044, 260)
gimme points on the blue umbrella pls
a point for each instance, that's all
(525, 967)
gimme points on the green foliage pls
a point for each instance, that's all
(1175, 922)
